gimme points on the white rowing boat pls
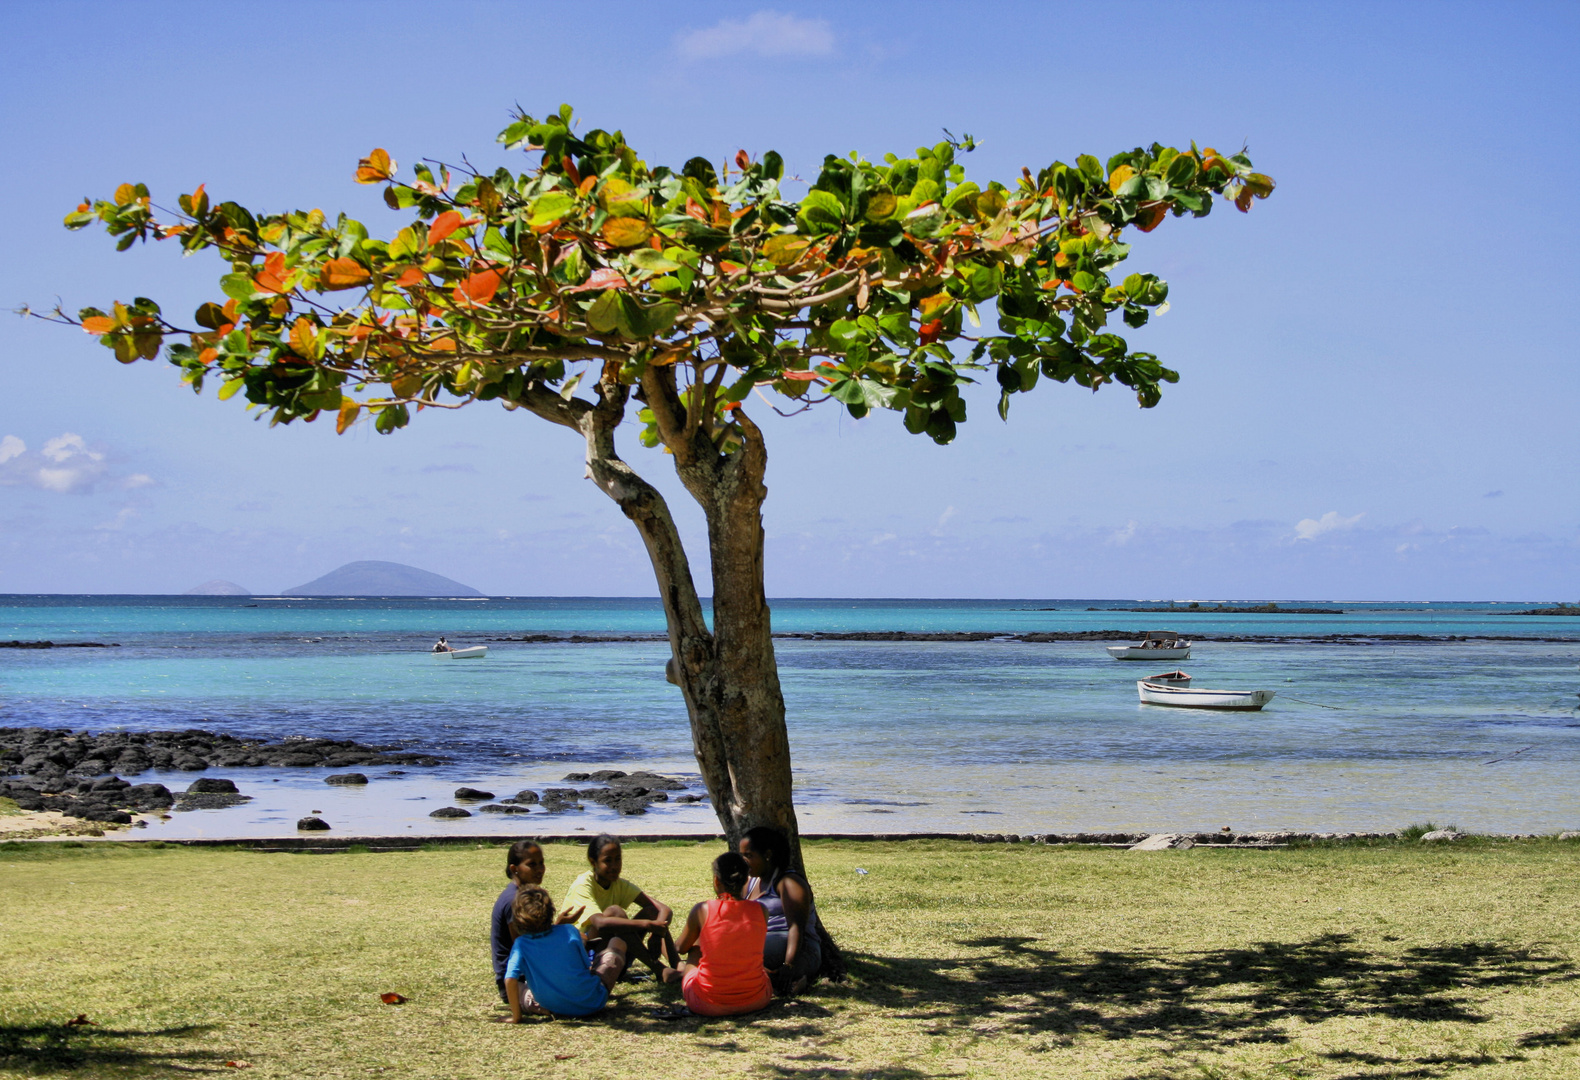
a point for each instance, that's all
(1156, 693)
(1169, 678)
(1154, 645)
(476, 652)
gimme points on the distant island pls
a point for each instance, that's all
(369, 578)
(1561, 609)
(1220, 609)
(217, 587)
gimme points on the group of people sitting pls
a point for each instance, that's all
(759, 934)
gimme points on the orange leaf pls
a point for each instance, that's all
(411, 276)
(571, 170)
(392, 999)
(800, 376)
(931, 331)
(743, 160)
(445, 224)
(348, 415)
(208, 356)
(237, 1064)
(478, 289)
(1151, 219)
(1243, 201)
(443, 344)
(98, 324)
(587, 185)
(626, 231)
(271, 278)
(602, 278)
(342, 274)
(374, 168)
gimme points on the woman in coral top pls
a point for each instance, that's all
(723, 974)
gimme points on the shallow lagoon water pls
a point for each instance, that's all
(1000, 736)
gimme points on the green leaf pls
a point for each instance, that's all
(601, 316)
(785, 249)
(657, 262)
(237, 286)
(1090, 166)
(821, 212)
(881, 205)
(229, 388)
(549, 208)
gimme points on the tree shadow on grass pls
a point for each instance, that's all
(1215, 998)
(46, 1048)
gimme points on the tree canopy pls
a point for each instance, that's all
(595, 278)
(866, 292)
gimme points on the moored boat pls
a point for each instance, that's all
(1169, 678)
(1156, 693)
(1154, 645)
(476, 652)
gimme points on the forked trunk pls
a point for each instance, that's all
(728, 674)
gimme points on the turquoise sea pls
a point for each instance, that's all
(1373, 730)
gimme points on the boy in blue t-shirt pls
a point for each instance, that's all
(551, 957)
(523, 866)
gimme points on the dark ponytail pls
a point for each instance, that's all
(731, 872)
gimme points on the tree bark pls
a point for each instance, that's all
(728, 675)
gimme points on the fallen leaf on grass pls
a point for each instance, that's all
(237, 1064)
(82, 1018)
(392, 999)
(563, 1057)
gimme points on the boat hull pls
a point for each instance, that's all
(476, 652)
(1135, 652)
(1182, 697)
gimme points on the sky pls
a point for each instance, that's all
(1379, 377)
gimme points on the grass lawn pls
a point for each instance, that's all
(988, 961)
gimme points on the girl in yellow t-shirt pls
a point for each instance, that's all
(604, 897)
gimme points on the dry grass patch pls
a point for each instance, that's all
(993, 961)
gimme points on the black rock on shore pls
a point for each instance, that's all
(50, 758)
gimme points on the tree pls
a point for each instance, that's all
(594, 279)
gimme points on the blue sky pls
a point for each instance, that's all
(1379, 362)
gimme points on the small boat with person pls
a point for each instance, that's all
(445, 651)
(1154, 645)
(1178, 692)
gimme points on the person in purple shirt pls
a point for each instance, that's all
(523, 866)
(551, 958)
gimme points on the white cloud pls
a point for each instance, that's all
(1311, 528)
(1123, 536)
(766, 33)
(65, 463)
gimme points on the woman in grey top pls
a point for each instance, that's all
(793, 952)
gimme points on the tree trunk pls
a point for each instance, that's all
(728, 676)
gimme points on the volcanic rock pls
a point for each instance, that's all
(312, 824)
(212, 785)
(209, 800)
(346, 778)
(450, 812)
(472, 794)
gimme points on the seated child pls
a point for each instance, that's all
(723, 974)
(523, 866)
(552, 958)
(604, 896)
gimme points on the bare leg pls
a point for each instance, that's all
(610, 963)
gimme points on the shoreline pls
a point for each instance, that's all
(1262, 840)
